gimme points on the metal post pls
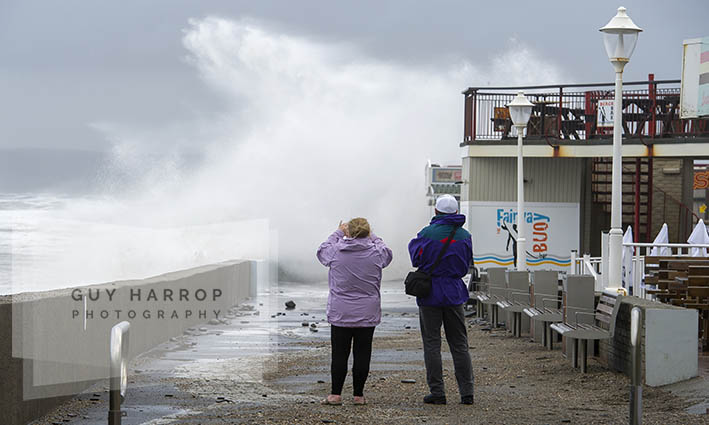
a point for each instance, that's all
(574, 352)
(636, 388)
(468, 119)
(572, 268)
(521, 221)
(604, 260)
(473, 130)
(589, 112)
(636, 209)
(588, 268)
(652, 92)
(118, 359)
(519, 324)
(559, 133)
(638, 272)
(650, 189)
(616, 234)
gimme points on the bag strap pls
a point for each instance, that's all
(443, 251)
(472, 253)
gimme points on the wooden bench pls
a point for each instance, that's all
(667, 274)
(495, 291)
(699, 269)
(603, 328)
(697, 297)
(681, 281)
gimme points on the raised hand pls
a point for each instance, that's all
(343, 226)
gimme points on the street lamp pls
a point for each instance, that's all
(619, 38)
(520, 110)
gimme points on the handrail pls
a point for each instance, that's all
(557, 299)
(572, 112)
(557, 86)
(683, 214)
(588, 263)
(638, 260)
(589, 267)
(118, 377)
(677, 201)
(638, 247)
(665, 245)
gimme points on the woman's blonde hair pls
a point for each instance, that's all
(358, 227)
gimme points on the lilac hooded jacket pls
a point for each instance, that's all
(355, 278)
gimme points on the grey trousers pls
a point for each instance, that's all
(453, 320)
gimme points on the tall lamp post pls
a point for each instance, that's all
(520, 111)
(619, 38)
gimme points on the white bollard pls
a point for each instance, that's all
(636, 384)
(118, 357)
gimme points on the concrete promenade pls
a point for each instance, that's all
(55, 344)
(266, 367)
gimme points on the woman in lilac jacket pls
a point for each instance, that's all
(356, 258)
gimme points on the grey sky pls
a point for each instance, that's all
(64, 65)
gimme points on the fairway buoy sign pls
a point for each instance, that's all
(552, 232)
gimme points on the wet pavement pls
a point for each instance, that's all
(696, 390)
(235, 352)
(225, 373)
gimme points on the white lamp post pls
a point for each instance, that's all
(619, 38)
(520, 110)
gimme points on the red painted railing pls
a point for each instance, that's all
(650, 110)
(686, 217)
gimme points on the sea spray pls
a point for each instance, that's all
(312, 132)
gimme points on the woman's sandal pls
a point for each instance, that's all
(361, 402)
(326, 401)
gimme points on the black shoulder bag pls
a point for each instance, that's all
(418, 282)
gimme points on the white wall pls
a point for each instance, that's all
(671, 350)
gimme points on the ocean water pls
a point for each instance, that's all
(19, 214)
(49, 242)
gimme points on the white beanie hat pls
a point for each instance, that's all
(446, 204)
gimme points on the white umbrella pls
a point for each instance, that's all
(661, 237)
(627, 260)
(699, 236)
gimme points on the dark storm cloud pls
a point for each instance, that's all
(65, 65)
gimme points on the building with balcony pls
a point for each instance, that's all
(568, 148)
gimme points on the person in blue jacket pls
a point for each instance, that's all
(444, 305)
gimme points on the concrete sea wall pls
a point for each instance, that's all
(55, 344)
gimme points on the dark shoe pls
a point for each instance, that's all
(434, 399)
(467, 399)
